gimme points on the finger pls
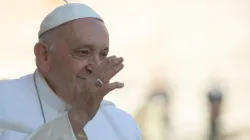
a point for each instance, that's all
(108, 61)
(112, 72)
(118, 61)
(112, 86)
(104, 66)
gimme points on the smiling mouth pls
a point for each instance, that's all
(84, 78)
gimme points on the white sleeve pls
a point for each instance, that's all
(138, 132)
(57, 129)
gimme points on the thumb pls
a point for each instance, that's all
(112, 86)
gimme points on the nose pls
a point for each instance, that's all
(93, 63)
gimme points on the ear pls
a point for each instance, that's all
(42, 56)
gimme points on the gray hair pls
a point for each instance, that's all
(51, 46)
(48, 39)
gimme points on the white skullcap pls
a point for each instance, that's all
(66, 13)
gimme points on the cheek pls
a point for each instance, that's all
(60, 64)
(69, 83)
(67, 65)
(61, 70)
(63, 73)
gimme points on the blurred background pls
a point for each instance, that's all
(187, 62)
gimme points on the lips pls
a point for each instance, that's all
(81, 77)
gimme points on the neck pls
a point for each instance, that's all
(46, 78)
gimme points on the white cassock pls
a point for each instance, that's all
(21, 115)
(30, 110)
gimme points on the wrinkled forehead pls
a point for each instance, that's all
(86, 31)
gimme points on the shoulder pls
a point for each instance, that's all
(13, 84)
(14, 97)
(125, 121)
(8, 88)
(13, 89)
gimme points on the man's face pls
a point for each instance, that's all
(80, 46)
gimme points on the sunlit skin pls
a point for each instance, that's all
(78, 59)
(79, 45)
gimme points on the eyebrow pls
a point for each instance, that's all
(91, 46)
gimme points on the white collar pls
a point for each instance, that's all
(48, 95)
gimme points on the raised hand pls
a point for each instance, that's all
(90, 90)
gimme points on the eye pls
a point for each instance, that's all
(83, 52)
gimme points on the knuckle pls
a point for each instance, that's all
(104, 79)
(113, 56)
(118, 68)
(116, 61)
(108, 60)
(115, 70)
(113, 59)
(115, 85)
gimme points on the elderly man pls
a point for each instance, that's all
(63, 99)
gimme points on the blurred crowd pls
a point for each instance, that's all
(154, 116)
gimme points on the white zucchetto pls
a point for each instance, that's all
(66, 13)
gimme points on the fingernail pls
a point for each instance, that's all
(120, 84)
(119, 60)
